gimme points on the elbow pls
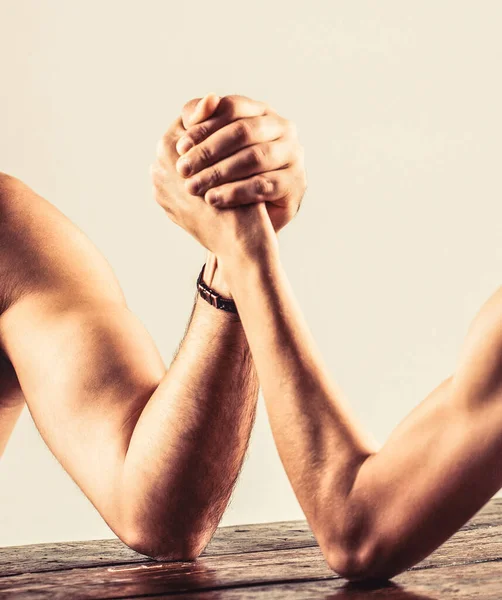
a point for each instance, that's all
(351, 565)
(362, 547)
(169, 530)
(369, 559)
(162, 545)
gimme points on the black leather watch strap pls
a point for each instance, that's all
(213, 297)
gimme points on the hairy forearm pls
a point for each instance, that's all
(189, 443)
(374, 512)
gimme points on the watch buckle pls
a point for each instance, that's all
(214, 300)
(209, 296)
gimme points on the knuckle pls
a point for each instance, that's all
(229, 105)
(198, 133)
(243, 131)
(206, 154)
(263, 186)
(256, 156)
(214, 177)
(232, 195)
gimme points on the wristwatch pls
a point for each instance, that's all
(213, 297)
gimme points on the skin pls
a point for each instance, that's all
(157, 451)
(374, 511)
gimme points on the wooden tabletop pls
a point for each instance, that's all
(272, 560)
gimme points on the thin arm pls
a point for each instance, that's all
(374, 511)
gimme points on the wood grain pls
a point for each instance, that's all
(38, 558)
(475, 582)
(276, 560)
(285, 535)
(230, 570)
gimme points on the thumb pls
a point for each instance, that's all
(199, 109)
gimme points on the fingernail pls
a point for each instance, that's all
(184, 144)
(213, 197)
(184, 167)
(193, 186)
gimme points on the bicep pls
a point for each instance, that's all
(86, 372)
(478, 376)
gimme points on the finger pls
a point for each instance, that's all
(199, 109)
(166, 146)
(265, 187)
(235, 106)
(230, 108)
(187, 111)
(249, 161)
(228, 140)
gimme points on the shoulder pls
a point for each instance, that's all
(41, 249)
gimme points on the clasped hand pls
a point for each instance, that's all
(230, 153)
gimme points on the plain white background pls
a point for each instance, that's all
(397, 244)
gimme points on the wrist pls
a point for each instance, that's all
(219, 284)
(263, 258)
(213, 276)
(255, 243)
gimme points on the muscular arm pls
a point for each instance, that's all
(375, 512)
(157, 452)
(189, 442)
